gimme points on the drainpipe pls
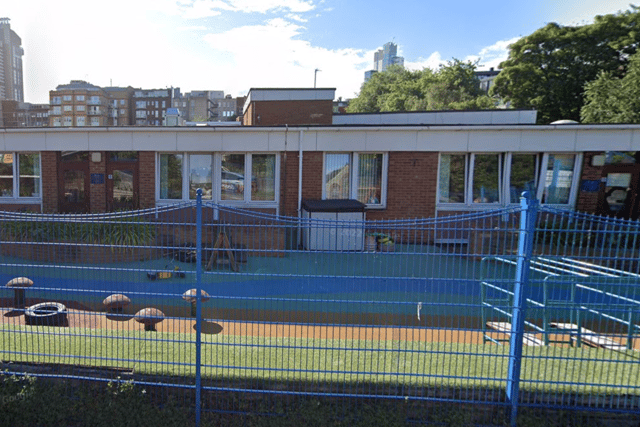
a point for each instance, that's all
(284, 196)
(300, 183)
(300, 173)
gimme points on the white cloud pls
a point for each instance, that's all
(492, 56)
(274, 55)
(433, 61)
(192, 9)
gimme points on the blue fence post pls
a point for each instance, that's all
(528, 218)
(198, 302)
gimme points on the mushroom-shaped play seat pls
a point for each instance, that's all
(149, 317)
(190, 296)
(19, 284)
(116, 302)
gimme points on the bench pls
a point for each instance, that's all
(527, 338)
(589, 337)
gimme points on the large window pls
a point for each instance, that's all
(20, 175)
(474, 179)
(234, 177)
(360, 176)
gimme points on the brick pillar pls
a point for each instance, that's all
(147, 180)
(98, 191)
(49, 163)
(588, 200)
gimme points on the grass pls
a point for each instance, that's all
(343, 363)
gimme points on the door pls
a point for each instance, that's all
(619, 191)
(122, 186)
(73, 183)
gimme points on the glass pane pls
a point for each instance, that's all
(6, 175)
(200, 175)
(523, 175)
(232, 177)
(559, 175)
(620, 157)
(123, 156)
(74, 186)
(263, 177)
(370, 178)
(452, 172)
(616, 194)
(171, 176)
(486, 178)
(337, 177)
(75, 156)
(29, 175)
(123, 188)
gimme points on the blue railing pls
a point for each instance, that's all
(207, 300)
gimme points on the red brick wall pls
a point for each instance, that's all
(277, 113)
(147, 181)
(411, 189)
(49, 163)
(411, 186)
(98, 192)
(588, 201)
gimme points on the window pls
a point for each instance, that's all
(500, 178)
(95, 121)
(367, 185)
(122, 111)
(68, 108)
(95, 100)
(79, 107)
(558, 178)
(80, 98)
(122, 102)
(223, 177)
(57, 121)
(67, 98)
(80, 121)
(67, 121)
(56, 100)
(200, 166)
(170, 176)
(57, 110)
(21, 178)
(141, 114)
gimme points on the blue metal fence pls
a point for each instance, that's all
(527, 306)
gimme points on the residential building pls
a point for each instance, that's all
(486, 78)
(23, 114)
(120, 111)
(150, 106)
(206, 106)
(11, 52)
(78, 104)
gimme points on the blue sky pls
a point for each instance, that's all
(234, 45)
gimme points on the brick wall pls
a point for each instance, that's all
(588, 201)
(49, 164)
(98, 192)
(147, 181)
(277, 113)
(411, 186)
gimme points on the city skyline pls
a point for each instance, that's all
(234, 45)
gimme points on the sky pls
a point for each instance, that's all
(236, 45)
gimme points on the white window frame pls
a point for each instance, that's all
(575, 179)
(505, 180)
(217, 177)
(15, 197)
(354, 161)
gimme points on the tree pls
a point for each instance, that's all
(548, 69)
(610, 99)
(453, 86)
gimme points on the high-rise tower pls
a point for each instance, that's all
(11, 52)
(384, 58)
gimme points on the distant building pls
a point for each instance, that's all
(23, 114)
(11, 52)
(120, 105)
(384, 58)
(279, 107)
(486, 78)
(206, 105)
(78, 104)
(150, 106)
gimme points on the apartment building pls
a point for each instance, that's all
(11, 52)
(24, 114)
(120, 105)
(78, 104)
(150, 106)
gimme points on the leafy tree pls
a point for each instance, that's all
(610, 99)
(453, 86)
(548, 69)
